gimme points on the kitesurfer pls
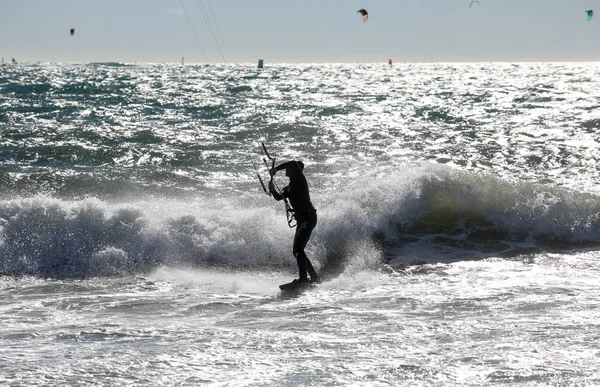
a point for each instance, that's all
(304, 213)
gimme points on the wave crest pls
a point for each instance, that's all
(431, 214)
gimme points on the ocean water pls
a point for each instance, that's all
(458, 234)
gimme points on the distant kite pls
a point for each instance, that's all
(590, 14)
(364, 13)
(72, 31)
(473, 1)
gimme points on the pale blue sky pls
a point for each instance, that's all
(300, 31)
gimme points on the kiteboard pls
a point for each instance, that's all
(295, 286)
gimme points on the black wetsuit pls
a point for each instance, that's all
(305, 214)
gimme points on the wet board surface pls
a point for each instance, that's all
(293, 286)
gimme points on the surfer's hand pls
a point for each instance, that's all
(272, 171)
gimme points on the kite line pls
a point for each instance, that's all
(193, 29)
(211, 29)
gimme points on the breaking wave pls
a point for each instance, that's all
(432, 214)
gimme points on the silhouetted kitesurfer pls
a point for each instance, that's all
(304, 213)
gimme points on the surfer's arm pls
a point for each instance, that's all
(276, 195)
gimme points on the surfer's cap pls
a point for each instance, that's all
(300, 164)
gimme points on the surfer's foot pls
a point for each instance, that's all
(301, 281)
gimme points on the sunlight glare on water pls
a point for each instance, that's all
(458, 224)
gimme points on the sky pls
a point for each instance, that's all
(298, 31)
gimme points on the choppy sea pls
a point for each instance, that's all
(458, 234)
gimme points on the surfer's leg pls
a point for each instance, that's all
(311, 271)
(300, 241)
(303, 232)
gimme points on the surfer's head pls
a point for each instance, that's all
(292, 171)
